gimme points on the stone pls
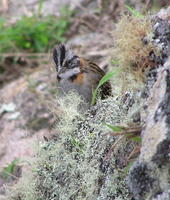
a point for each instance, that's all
(150, 176)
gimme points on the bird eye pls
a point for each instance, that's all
(73, 77)
(58, 77)
(70, 64)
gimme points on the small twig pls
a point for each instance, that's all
(100, 3)
(132, 131)
(148, 3)
(23, 55)
(112, 148)
(85, 10)
(90, 26)
(134, 151)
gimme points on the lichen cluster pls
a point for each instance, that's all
(76, 164)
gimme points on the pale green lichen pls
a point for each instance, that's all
(75, 166)
(24, 189)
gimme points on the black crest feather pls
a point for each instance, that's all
(59, 54)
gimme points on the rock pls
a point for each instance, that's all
(24, 118)
(149, 177)
(164, 14)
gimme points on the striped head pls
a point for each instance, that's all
(67, 63)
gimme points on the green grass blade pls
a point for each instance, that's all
(134, 12)
(105, 78)
(10, 168)
(136, 139)
(114, 128)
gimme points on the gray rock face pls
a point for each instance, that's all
(149, 178)
(150, 174)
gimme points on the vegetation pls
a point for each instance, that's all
(9, 170)
(75, 164)
(85, 161)
(105, 78)
(133, 46)
(34, 34)
(128, 132)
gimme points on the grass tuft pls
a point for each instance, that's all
(134, 12)
(133, 46)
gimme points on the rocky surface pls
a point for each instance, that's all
(24, 119)
(149, 178)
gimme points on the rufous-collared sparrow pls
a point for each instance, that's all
(76, 73)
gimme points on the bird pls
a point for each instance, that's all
(79, 74)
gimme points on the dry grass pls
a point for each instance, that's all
(133, 45)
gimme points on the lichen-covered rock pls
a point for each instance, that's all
(78, 165)
(149, 178)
